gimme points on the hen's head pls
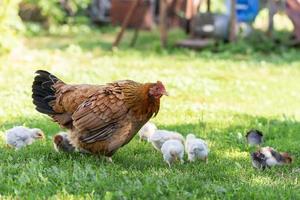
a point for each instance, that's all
(157, 90)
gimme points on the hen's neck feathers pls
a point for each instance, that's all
(138, 99)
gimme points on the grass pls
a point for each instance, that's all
(214, 95)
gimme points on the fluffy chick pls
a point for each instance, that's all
(268, 157)
(146, 131)
(160, 136)
(254, 137)
(61, 142)
(196, 148)
(21, 136)
(172, 150)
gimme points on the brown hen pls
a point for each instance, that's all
(101, 118)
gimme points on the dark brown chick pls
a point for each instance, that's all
(101, 118)
(61, 143)
(268, 157)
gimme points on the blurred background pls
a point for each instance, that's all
(259, 25)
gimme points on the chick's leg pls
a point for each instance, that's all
(167, 159)
(181, 161)
(109, 159)
(206, 160)
(168, 162)
(181, 157)
(19, 146)
(190, 157)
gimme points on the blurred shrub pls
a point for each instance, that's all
(10, 24)
(51, 12)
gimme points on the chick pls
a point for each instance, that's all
(196, 148)
(172, 150)
(160, 136)
(146, 131)
(268, 157)
(21, 136)
(61, 142)
(254, 137)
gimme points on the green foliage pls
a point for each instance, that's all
(258, 41)
(54, 11)
(51, 10)
(10, 24)
(79, 5)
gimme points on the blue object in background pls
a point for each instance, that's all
(246, 10)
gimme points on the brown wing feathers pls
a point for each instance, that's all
(100, 134)
(99, 117)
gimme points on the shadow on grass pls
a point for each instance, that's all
(281, 133)
(138, 169)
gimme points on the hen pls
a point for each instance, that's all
(101, 118)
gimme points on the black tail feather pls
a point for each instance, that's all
(43, 92)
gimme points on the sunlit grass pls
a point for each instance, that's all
(214, 95)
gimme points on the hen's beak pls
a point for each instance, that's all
(165, 93)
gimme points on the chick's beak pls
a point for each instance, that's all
(41, 136)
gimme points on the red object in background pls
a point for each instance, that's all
(142, 17)
(176, 13)
(146, 15)
(293, 12)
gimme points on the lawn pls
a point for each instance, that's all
(217, 96)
